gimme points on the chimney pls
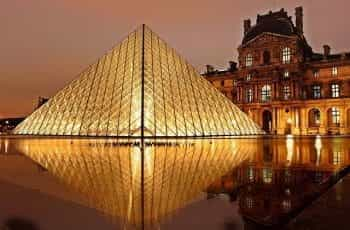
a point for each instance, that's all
(299, 19)
(233, 66)
(210, 68)
(247, 25)
(326, 51)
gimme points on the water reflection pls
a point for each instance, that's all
(270, 180)
(139, 187)
(277, 182)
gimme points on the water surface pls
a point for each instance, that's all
(173, 184)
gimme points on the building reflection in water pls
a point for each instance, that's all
(139, 187)
(285, 176)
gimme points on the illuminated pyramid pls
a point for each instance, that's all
(140, 88)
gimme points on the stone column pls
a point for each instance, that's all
(346, 118)
(323, 121)
(296, 121)
(342, 119)
(281, 121)
(303, 122)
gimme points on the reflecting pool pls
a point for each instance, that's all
(242, 183)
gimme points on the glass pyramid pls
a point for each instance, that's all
(140, 88)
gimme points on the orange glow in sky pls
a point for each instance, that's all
(45, 44)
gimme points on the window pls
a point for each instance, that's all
(267, 175)
(334, 71)
(335, 113)
(335, 90)
(248, 60)
(248, 77)
(251, 174)
(316, 91)
(266, 57)
(316, 73)
(287, 176)
(249, 202)
(266, 93)
(286, 205)
(222, 83)
(286, 55)
(314, 118)
(337, 158)
(286, 74)
(286, 92)
(249, 95)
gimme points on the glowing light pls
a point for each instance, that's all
(318, 147)
(108, 174)
(290, 148)
(142, 80)
(6, 145)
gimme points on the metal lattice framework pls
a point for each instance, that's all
(110, 176)
(140, 88)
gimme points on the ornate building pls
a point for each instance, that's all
(282, 84)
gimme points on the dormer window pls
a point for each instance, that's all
(334, 71)
(248, 60)
(286, 55)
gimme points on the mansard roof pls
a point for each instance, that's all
(274, 22)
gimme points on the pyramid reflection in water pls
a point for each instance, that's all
(108, 173)
(141, 87)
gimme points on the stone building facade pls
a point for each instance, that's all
(282, 84)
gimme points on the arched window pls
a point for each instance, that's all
(314, 118)
(267, 57)
(248, 60)
(286, 55)
(266, 93)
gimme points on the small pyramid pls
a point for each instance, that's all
(140, 88)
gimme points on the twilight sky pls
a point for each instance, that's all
(44, 44)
